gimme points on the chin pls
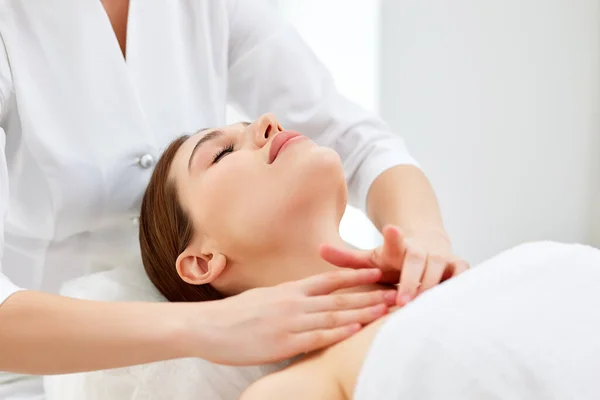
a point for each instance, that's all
(326, 161)
(317, 182)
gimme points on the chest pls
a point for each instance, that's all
(117, 12)
(347, 357)
(84, 127)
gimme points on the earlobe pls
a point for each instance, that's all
(200, 270)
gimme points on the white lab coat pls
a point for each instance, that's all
(80, 128)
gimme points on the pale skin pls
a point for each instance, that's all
(280, 211)
(329, 374)
(46, 334)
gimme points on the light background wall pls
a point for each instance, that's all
(499, 101)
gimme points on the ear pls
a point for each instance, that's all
(200, 269)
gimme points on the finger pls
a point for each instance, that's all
(393, 247)
(460, 267)
(334, 319)
(433, 273)
(336, 280)
(410, 277)
(349, 301)
(346, 258)
(318, 339)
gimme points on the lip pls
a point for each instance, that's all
(280, 141)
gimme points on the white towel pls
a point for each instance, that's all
(523, 325)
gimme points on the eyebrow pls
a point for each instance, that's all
(206, 138)
(213, 135)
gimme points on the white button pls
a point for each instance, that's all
(146, 161)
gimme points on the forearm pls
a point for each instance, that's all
(403, 196)
(46, 334)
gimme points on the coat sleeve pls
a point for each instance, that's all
(272, 70)
(7, 288)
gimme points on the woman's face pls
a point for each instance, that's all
(253, 189)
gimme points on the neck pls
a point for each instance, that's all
(299, 258)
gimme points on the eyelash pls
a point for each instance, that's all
(221, 153)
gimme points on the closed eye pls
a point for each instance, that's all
(222, 153)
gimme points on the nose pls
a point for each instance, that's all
(267, 126)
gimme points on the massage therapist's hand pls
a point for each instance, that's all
(417, 262)
(272, 324)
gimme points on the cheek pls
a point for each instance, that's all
(232, 186)
(237, 201)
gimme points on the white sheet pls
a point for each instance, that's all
(523, 325)
(183, 379)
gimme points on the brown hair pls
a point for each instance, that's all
(165, 231)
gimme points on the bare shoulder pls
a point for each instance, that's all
(328, 374)
(346, 358)
(308, 378)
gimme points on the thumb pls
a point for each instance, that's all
(347, 258)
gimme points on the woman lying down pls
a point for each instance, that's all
(224, 214)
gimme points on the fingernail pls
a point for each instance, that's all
(405, 299)
(378, 309)
(366, 271)
(390, 296)
(374, 273)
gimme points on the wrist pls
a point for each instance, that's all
(437, 237)
(428, 231)
(175, 331)
(188, 332)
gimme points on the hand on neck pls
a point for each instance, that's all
(301, 259)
